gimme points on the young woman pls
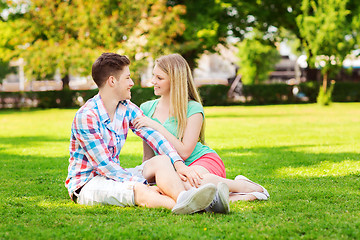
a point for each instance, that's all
(179, 116)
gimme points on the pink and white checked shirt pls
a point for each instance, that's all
(96, 143)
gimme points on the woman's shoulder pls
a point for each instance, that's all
(146, 107)
(195, 104)
(195, 107)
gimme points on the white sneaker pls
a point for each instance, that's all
(195, 199)
(264, 192)
(220, 203)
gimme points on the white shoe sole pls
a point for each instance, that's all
(198, 201)
(265, 192)
(259, 196)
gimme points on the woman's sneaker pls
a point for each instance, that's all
(195, 199)
(220, 203)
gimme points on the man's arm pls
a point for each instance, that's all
(157, 142)
(153, 138)
(86, 129)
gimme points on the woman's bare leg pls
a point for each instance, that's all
(234, 185)
(238, 197)
(160, 170)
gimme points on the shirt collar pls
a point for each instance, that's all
(103, 114)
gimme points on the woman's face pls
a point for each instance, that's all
(161, 82)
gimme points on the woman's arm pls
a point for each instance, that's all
(185, 146)
(147, 152)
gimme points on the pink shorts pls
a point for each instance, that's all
(212, 162)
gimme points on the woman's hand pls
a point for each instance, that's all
(144, 121)
(188, 174)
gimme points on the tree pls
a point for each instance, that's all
(330, 33)
(282, 14)
(67, 36)
(206, 25)
(257, 59)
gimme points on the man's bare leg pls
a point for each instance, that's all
(145, 196)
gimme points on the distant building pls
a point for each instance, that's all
(18, 82)
(286, 70)
(212, 68)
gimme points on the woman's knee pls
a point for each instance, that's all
(157, 162)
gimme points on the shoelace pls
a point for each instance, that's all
(214, 201)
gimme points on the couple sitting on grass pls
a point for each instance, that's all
(183, 174)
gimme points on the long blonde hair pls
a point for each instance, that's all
(182, 90)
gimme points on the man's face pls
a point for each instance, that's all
(124, 83)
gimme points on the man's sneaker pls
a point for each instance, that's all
(195, 199)
(220, 203)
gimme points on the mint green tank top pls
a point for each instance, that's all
(171, 125)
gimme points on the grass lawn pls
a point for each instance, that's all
(307, 157)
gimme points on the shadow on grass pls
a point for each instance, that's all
(31, 140)
(40, 177)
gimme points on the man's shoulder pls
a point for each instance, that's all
(89, 109)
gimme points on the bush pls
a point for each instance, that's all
(212, 95)
(346, 92)
(268, 93)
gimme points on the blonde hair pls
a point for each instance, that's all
(182, 90)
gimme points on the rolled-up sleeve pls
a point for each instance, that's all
(153, 138)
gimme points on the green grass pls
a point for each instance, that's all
(306, 156)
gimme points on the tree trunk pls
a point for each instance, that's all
(65, 80)
(325, 78)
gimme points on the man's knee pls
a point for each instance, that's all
(139, 194)
(142, 194)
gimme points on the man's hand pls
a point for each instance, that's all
(188, 174)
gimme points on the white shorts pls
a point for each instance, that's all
(101, 190)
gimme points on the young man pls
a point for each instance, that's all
(98, 133)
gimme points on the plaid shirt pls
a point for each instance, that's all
(96, 143)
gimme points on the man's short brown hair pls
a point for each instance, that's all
(108, 64)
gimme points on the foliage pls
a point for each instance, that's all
(300, 153)
(214, 95)
(264, 14)
(278, 20)
(257, 60)
(206, 25)
(69, 35)
(346, 92)
(5, 69)
(268, 94)
(330, 32)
